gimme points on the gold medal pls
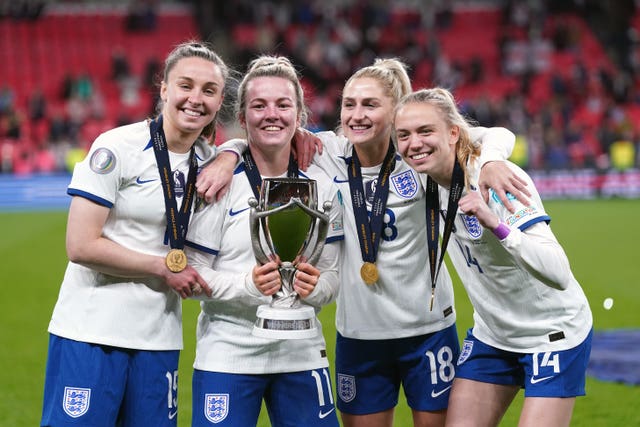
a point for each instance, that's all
(369, 273)
(176, 260)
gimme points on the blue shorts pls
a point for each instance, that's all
(292, 399)
(369, 372)
(548, 374)
(98, 385)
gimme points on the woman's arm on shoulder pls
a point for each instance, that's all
(215, 177)
(497, 145)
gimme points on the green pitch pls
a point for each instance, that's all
(599, 237)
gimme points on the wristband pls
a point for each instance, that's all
(501, 231)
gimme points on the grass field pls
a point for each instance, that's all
(598, 236)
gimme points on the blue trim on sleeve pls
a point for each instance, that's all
(149, 145)
(89, 196)
(545, 218)
(333, 239)
(201, 248)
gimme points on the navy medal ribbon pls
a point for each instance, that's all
(369, 230)
(177, 219)
(433, 225)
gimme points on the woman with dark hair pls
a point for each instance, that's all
(116, 329)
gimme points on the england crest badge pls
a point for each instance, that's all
(472, 225)
(76, 401)
(216, 407)
(405, 184)
(346, 387)
(467, 348)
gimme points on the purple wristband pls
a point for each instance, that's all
(502, 231)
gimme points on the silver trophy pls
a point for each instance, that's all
(286, 224)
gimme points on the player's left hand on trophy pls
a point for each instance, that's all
(306, 279)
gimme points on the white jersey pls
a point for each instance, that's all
(120, 172)
(225, 259)
(397, 305)
(524, 295)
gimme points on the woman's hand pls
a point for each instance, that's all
(267, 278)
(214, 181)
(502, 180)
(305, 279)
(305, 146)
(473, 203)
(187, 282)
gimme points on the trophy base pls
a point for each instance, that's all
(285, 323)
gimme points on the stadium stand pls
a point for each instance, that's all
(67, 57)
(543, 71)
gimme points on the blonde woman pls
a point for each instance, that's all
(235, 372)
(532, 323)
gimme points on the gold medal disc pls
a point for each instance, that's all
(176, 260)
(369, 273)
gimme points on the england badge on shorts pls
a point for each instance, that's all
(405, 184)
(216, 407)
(465, 352)
(346, 387)
(76, 401)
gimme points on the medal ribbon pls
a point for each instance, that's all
(253, 174)
(369, 230)
(433, 225)
(177, 219)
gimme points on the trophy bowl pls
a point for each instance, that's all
(286, 225)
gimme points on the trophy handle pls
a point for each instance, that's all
(254, 221)
(323, 227)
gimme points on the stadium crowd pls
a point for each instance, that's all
(572, 102)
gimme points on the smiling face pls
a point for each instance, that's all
(270, 116)
(192, 95)
(425, 140)
(366, 112)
